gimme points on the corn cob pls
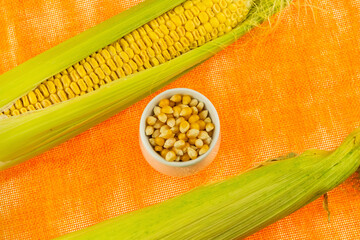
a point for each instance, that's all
(241, 205)
(187, 26)
(65, 104)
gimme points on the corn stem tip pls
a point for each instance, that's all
(326, 206)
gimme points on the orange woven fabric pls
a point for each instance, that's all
(296, 89)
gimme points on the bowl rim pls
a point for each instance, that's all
(194, 94)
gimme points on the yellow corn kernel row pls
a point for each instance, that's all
(186, 27)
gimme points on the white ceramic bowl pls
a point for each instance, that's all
(179, 169)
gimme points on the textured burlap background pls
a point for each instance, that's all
(296, 90)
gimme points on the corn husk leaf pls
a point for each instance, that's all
(239, 206)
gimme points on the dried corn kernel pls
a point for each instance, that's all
(194, 110)
(185, 157)
(209, 127)
(170, 156)
(186, 112)
(152, 141)
(169, 142)
(207, 120)
(194, 118)
(200, 106)
(186, 99)
(176, 111)
(162, 117)
(203, 114)
(164, 102)
(192, 153)
(170, 122)
(203, 135)
(208, 140)
(194, 102)
(204, 149)
(176, 98)
(167, 110)
(151, 120)
(184, 126)
(192, 133)
(157, 110)
(179, 144)
(149, 130)
(164, 128)
(159, 141)
(199, 143)
(182, 106)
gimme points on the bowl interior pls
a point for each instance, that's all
(167, 94)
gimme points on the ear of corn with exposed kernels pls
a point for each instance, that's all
(74, 85)
(179, 30)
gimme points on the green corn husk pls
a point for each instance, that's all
(241, 205)
(27, 135)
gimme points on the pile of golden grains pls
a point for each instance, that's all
(180, 128)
